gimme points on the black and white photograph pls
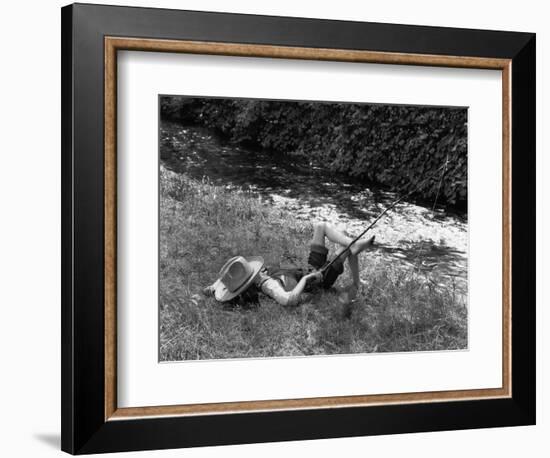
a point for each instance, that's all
(275, 229)
(297, 228)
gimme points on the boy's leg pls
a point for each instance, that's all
(327, 230)
(318, 234)
(322, 230)
(353, 262)
(318, 251)
(318, 254)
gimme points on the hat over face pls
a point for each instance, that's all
(236, 276)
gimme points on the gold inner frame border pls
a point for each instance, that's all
(114, 44)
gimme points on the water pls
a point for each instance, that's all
(435, 243)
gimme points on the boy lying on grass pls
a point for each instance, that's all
(286, 286)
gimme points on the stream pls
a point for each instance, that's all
(434, 242)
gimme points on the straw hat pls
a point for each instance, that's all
(235, 276)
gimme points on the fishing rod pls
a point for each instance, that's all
(386, 210)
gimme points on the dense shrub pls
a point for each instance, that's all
(396, 146)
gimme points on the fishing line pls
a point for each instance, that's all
(387, 209)
(441, 181)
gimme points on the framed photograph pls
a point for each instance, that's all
(284, 228)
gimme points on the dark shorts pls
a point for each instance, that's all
(318, 258)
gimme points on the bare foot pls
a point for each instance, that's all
(362, 245)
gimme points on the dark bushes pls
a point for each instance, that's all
(395, 146)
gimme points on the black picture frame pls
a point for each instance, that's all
(84, 428)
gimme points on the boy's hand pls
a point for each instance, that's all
(317, 275)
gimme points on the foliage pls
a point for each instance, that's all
(396, 146)
(398, 308)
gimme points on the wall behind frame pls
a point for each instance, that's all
(30, 230)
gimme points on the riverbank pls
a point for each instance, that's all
(424, 238)
(399, 307)
(388, 146)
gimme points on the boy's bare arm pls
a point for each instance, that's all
(288, 298)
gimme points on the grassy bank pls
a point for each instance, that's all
(202, 225)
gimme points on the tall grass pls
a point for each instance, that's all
(202, 225)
